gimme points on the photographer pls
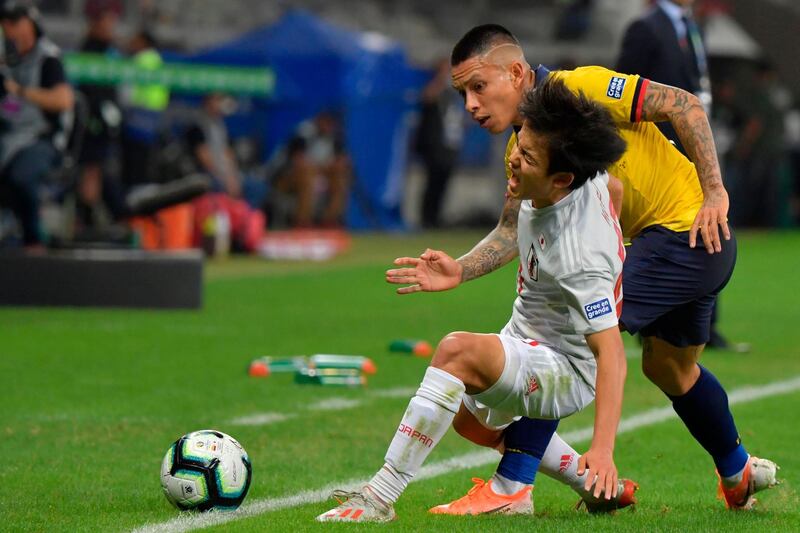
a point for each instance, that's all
(33, 94)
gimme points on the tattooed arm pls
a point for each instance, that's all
(685, 111)
(434, 270)
(498, 248)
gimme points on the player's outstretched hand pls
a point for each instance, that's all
(432, 271)
(712, 216)
(600, 472)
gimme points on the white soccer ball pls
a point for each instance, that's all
(206, 470)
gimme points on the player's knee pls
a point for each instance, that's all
(653, 369)
(452, 353)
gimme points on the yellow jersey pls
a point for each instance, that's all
(661, 184)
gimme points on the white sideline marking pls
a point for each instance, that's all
(188, 522)
(397, 392)
(333, 404)
(261, 419)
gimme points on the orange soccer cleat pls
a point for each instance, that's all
(759, 474)
(481, 499)
(626, 496)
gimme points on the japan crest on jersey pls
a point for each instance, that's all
(533, 264)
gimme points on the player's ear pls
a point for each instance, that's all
(517, 73)
(562, 180)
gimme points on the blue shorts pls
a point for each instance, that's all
(669, 289)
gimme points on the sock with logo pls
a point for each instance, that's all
(560, 462)
(525, 443)
(429, 414)
(705, 412)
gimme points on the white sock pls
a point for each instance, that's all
(507, 487)
(560, 462)
(732, 481)
(430, 412)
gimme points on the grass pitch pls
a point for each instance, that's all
(91, 399)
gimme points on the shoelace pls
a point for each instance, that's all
(479, 483)
(343, 496)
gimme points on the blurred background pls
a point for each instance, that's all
(240, 126)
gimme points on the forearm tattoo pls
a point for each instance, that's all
(686, 113)
(496, 249)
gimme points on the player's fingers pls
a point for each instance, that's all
(708, 240)
(428, 254)
(403, 280)
(599, 485)
(581, 465)
(713, 229)
(693, 231)
(397, 272)
(726, 231)
(609, 490)
(409, 290)
(615, 484)
(409, 261)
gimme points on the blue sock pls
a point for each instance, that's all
(704, 410)
(525, 441)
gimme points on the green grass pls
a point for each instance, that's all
(91, 399)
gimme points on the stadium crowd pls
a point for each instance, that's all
(87, 148)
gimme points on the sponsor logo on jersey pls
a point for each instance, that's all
(615, 87)
(415, 435)
(597, 309)
(533, 264)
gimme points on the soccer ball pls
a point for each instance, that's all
(206, 470)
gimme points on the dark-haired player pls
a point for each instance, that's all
(562, 346)
(669, 283)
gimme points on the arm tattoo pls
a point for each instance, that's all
(496, 249)
(686, 113)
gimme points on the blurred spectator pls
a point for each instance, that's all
(313, 181)
(104, 118)
(439, 138)
(223, 210)
(212, 151)
(664, 45)
(145, 105)
(756, 159)
(33, 93)
(575, 20)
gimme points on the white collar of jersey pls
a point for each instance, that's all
(568, 199)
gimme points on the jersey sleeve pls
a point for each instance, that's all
(621, 94)
(591, 300)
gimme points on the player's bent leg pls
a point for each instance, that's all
(471, 429)
(672, 369)
(476, 359)
(702, 404)
(425, 421)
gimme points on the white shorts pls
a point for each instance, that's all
(537, 382)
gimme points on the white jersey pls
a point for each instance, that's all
(570, 275)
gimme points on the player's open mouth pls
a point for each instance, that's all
(482, 121)
(513, 183)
